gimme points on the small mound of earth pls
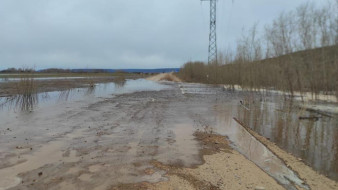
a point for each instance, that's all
(165, 77)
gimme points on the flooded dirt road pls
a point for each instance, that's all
(138, 135)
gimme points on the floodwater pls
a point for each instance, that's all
(255, 151)
(223, 123)
(311, 136)
(40, 129)
(28, 102)
(87, 133)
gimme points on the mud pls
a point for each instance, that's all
(223, 168)
(171, 136)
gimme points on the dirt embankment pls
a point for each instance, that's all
(165, 77)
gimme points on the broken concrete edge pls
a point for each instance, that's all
(275, 149)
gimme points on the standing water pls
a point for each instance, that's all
(312, 136)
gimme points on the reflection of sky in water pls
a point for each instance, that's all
(102, 90)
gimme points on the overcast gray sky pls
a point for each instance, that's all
(122, 33)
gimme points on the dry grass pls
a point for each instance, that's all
(120, 81)
(25, 97)
(294, 75)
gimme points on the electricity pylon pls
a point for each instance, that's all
(212, 57)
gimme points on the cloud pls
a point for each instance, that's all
(120, 33)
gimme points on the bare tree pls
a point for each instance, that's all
(306, 28)
(300, 47)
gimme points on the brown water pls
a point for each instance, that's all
(115, 137)
(314, 140)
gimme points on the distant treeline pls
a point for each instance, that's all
(56, 70)
(297, 52)
(20, 70)
(161, 70)
(14, 70)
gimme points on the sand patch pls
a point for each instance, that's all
(165, 77)
(223, 168)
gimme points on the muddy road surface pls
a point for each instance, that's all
(142, 135)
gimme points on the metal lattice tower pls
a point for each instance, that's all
(212, 57)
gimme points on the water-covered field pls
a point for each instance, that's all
(110, 135)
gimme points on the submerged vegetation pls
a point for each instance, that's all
(24, 93)
(26, 96)
(27, 93)
(298, 52)
(120, 81)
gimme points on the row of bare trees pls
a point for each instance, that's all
(298, 51)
